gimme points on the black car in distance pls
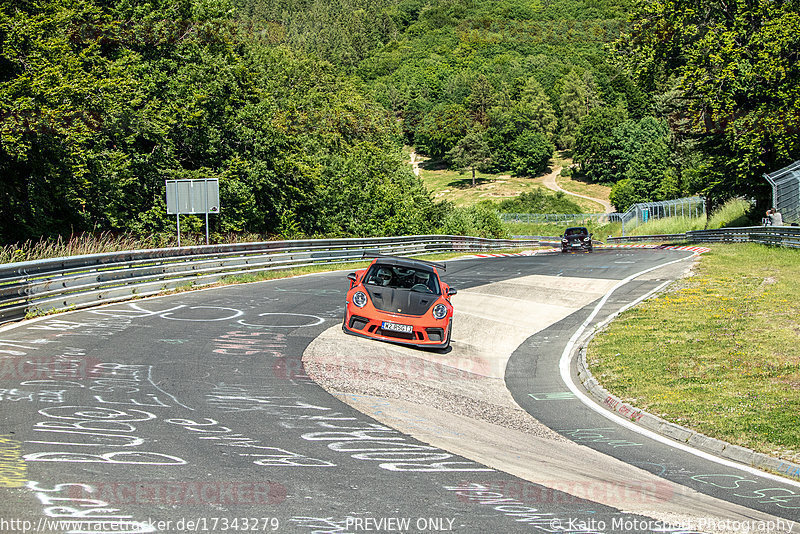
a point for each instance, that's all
(576, 238)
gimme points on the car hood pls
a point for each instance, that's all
(402, 301)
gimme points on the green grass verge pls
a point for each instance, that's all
(731, 214)
(718, 353)
(456, 187)
(668, 225)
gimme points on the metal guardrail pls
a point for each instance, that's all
(643, 238)
(777, 236)
(79, 281)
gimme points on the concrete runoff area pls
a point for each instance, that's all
(458, 401)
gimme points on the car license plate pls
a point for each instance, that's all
(394, 327)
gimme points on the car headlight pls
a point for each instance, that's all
(360, 299)
(587, 238)
(563, 240)
(439, 311)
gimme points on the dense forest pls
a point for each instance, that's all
(301, 108)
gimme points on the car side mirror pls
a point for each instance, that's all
(352, 278)
(451, 291)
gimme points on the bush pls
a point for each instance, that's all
(539, 201)
(478, 221)
(628, 192)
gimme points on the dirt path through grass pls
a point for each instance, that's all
(549, 181)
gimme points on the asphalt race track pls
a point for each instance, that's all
(195, 413)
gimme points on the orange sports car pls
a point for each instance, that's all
(400, 300)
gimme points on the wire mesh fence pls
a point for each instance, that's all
(572, 218)
(786, 191)
(690, 207)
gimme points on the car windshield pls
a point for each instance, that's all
(397, 277)
(576, 231)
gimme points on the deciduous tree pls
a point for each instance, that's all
(738, 70)
(578, 97)
(441, 128)
(471, 152)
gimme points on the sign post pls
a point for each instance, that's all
(192, 196)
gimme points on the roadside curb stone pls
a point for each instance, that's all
(679, 433)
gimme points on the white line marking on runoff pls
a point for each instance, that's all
(150, 379)
(236, 313)
(564, 367)
(314, 320)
